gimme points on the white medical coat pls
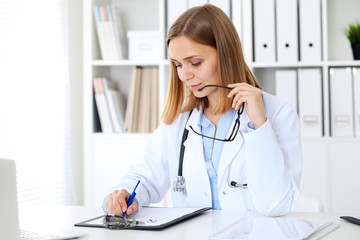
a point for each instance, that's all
(268, 160)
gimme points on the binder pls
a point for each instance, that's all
(356, 84)
(223, 5)
(174, 9)
(264, 30)
(310, 30)
(310, 102)
(286, 86)
(152, 218)
(237, 17)
(194, 3)
(341, 102)
(287, 30)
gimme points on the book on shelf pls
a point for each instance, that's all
(133, 101)
(101, 105)
(110, 105)
(110, 32)
(142, 111)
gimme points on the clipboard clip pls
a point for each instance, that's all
(118, 222)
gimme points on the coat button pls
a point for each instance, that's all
(205, 194)
(224, 193)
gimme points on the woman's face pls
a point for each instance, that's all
(196, 64)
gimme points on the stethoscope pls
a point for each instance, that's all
(180, 184)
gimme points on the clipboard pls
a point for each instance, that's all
(151, 218)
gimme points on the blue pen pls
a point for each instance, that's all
(131, 199)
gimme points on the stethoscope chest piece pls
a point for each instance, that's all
(180, 185)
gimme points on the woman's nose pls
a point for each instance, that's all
(185, 73)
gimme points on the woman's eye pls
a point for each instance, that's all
(196, 63)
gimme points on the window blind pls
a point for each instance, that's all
(34, 98)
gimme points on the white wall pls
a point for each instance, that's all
(75, 24)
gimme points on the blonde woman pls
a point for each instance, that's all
(241, 146)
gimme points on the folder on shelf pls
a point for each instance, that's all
(110, 33)
(264, 30)
(102, 106)
(195, 3)
(356, 84)
(116, 105)
(236, 17)
(100, 29)
(341, 102)
(287, 30)
(222, 4)
(145, 101)
(133, 102)
(310, 102)
(152, 218)
(142, 111)
(286, 86)
(154, 98)
(118, 32)
(310, 30)
(174, 9)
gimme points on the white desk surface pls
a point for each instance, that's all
(200, 227)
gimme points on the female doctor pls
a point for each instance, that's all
(242, 149)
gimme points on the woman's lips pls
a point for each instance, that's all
(194, 87)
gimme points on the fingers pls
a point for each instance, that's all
(117, 202)
(243, 92)
(252, 97)
(132, 208)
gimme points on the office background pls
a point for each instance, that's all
(91, 156)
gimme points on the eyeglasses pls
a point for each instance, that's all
(233, 132)
(237, 121)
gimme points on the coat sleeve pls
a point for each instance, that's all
(274, 162)
(152, 172)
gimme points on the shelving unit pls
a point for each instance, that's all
(329, 162)
(108, 155)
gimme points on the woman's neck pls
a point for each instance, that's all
(210, 114)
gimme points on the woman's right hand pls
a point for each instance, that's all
(117, 203)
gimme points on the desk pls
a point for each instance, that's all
(200, 227)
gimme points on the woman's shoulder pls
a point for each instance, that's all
(180, 121)
(275, 102)
(275, 105)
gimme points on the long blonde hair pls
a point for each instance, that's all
(207, 25)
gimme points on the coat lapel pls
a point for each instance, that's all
(194, 153)
(230, 149)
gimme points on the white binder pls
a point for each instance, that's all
(174, 9)
(286, 86)
(222, 4)
(341, 102)
(310, 102)
(356, 84)
(194, 3)
(287, 30)
(310, 30)
(264, 30)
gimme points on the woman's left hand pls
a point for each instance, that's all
(254, 105)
